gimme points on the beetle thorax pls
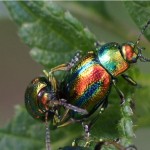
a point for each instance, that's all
(111, 59)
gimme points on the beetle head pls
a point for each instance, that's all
(131, 51)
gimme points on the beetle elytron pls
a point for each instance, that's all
(86, 86)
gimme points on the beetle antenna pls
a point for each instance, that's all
(141, 57)
(142, 32)
(47, 137)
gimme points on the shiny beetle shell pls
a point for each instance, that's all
(35, 102)
(87, 84)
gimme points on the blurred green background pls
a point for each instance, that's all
(18, 68)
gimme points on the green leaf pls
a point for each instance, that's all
(51, 32)
(20, 133)
(140, 13)
(54, 35)
(126, 124)
(99, 7)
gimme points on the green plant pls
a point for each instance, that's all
(51, 33)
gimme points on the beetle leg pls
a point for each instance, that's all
(67, 66)
(92, 122)
(129, 79)
(51, 76)
(51, 79)
(64, 115)
(75, 59)
(70, 121)
(86, 138)
(120, 93)
(88, 126)
(72, 107)
(62, 102)
(62, 67)
(47, 137)
(104, 105)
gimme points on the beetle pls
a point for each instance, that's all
(89, 79)
(85, 87)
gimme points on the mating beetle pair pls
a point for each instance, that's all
(86, 86)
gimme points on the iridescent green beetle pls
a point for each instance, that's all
(85, 88)
(89, 80)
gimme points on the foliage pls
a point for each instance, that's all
(52, 34)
